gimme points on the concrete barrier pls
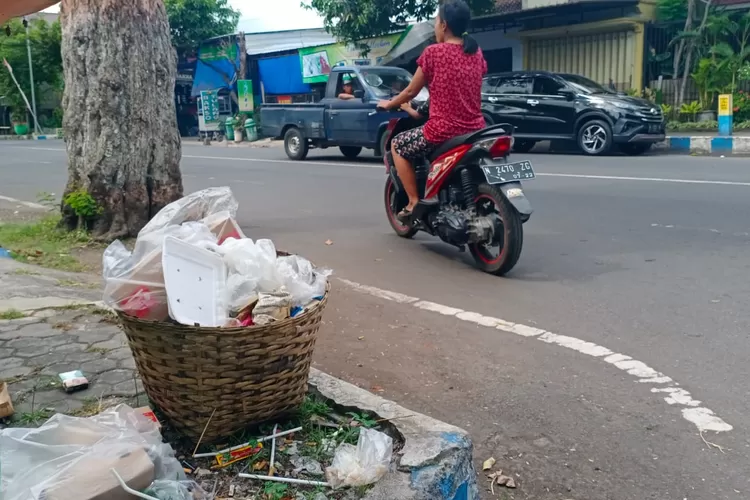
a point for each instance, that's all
(705, 145)
(436, 460)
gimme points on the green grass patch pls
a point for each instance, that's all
(11, 314)
(44, 244)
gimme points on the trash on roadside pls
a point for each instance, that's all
(73, 381)
(71, 457)
(231, 456)
(176, 490)
(149, 414)
(308, 465)
(364, 464)
(488, 464)
(192, 263)
(6, 405)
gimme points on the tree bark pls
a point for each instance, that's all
(242, 46)
(119, 114)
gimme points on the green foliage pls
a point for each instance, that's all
(192, 21)
(671, 10)
(351, 21)
(45, 42)
(275, 491)
(83, 205)
(691, 109)
(707, 126)
(18, 114)
(741, 106)
(667, 110)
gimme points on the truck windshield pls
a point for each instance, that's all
(386, 82)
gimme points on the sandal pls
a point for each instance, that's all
(404, 216)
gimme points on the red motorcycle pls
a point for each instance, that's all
(470, 195)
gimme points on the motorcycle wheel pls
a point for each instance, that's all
(393, 205)
(502, 255)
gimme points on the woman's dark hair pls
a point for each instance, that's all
(457, 15)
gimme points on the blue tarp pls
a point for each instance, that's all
(212, 73)
(282, 75)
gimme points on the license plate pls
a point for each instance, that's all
(509, 172)
(654, 128)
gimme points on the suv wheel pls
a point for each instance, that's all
(595, 138)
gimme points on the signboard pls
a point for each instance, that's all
(725, 104)
(245, 95)
(317, 62)
(210, 105)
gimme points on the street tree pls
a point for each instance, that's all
(351, 21)
(45, 52)
(119, 121)
(193, 21)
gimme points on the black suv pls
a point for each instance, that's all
(553, 106)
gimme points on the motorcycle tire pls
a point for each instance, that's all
(512, 237)
(394, 203)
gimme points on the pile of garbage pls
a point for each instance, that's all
(105, 457)
(193, 264)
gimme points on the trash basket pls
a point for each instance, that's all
(252, 131)
(243, 376)
(229, 128)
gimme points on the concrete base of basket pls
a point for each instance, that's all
(436, 461)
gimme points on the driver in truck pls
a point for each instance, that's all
(347, 89)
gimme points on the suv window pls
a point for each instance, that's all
(488, 85)
(515, 84)
(544, 85)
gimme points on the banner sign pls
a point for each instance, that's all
(210, 105)
(245, 95)
(317, 62)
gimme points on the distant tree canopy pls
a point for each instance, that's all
(45, 53)
(192, 21)
(353, 20)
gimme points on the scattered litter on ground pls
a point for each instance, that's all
(498, 477)
(488, 464)
(361, 465)
(73, 381)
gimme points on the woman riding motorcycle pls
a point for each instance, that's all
(453, 70)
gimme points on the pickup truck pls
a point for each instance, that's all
(349, 124)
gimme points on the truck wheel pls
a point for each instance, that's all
(295, 145)
(350, 152)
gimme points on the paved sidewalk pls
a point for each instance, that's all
(62, 329)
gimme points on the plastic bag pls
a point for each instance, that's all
(223, 225)
(251, 269)
(71, 457)
(303, 282)
(181, 219)
(364, 464)
(176, 490)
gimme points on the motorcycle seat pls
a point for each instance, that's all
(448, 145)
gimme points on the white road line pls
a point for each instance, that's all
(380, 166)
(703, 418)
(649, 179)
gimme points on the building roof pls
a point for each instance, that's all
(282, 41)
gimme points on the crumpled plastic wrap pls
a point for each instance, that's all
(364, 464)
(177, 490)
(301, 279)
(272, 307)
(68, 451)
(200, 218)
(251, 270)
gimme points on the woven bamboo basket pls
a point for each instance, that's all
(243, 376)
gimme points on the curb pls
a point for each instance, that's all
(436, 460)
(705, 145)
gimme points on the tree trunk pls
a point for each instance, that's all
(119, 113)
(242, 46)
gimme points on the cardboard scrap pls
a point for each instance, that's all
(6, 405)
(230, 457)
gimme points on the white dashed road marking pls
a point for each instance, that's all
(703, 418)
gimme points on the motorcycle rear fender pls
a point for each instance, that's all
(395, 179)
(514, 192)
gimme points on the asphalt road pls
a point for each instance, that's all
(644, 257)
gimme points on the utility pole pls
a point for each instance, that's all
(31, 76)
